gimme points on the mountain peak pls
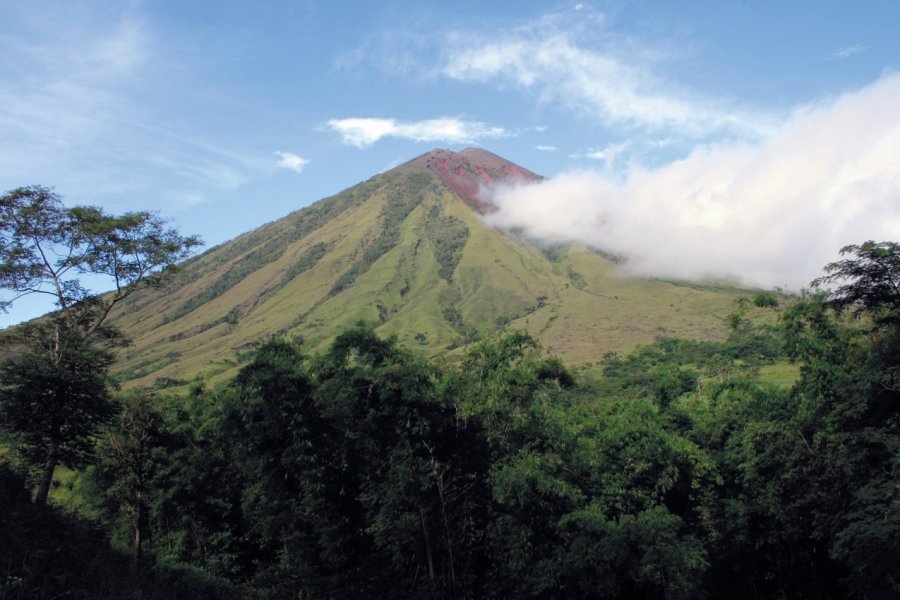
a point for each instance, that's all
(469, 171)
(403, 251)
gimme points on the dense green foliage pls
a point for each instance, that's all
(870, 280)
(47, 553)
(367, 471)
(53, 402)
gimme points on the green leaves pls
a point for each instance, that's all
(869, 282)
(646, 555)
(54, 399)
(45, 245)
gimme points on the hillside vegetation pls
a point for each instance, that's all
(367, 470)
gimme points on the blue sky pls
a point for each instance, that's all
(225, 115)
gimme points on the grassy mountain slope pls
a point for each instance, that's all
(408, 250)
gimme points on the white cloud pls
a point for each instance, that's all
(544, 148)
(593, 78)
(363, 132)
(291, 161)
(771, 213)
(609, 154)
(848, 51)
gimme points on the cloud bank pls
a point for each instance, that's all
(363, 132)
(770, 213)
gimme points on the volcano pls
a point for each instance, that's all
(408, 251)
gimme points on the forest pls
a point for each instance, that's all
(370, 471)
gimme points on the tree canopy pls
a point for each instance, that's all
(868, 282)
(45, 247)
(368, 471)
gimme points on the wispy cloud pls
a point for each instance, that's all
(54, 92)
(83, 97)
(594, 78)
(363, 132)
(291, 161)
(544, 148)
(848, 51)
(771, 213)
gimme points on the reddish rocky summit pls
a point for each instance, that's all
(470, 171)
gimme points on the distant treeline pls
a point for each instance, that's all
(370, 472)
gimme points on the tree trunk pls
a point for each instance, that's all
(47, 476)
(136, 555)
(427, 546)
(140, 525)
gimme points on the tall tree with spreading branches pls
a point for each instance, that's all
(45, 247)
(867, 281)
(53, 395)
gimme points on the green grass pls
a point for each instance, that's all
(780, 374)
(65, 491)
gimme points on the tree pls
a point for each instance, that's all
(360, 479)
(828, 473)
(54, 396)
(55, 399)
(44, 246)
(282, 449)
(133, 452)
(868, 282)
